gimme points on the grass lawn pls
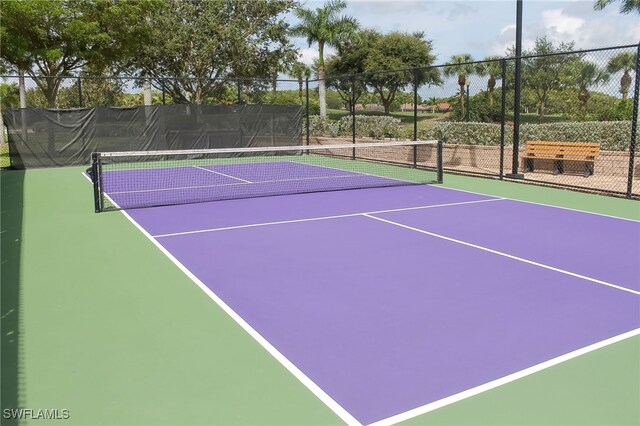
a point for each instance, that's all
(4, 156)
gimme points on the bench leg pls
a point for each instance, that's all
(558, 167)
(528, 165)
(588, 169)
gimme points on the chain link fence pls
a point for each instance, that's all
(577, 119)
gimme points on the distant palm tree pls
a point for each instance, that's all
(588, 75)
(626, 62)
(627, 6)
(325, 27)
(493, 69)
(301, 71)
(458, 65)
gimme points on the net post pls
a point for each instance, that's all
(96, 177)
(440, 162)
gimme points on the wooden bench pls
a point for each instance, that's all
(559, 153)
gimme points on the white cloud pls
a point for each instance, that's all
(310, 54)
(555, 20)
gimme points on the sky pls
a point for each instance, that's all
(487, 27)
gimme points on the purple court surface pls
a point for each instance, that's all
(390, 299)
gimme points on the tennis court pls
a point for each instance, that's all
(294, 297)
(392, 300)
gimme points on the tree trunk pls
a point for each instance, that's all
(625, 83)
(23, 104)
(147, 92)
(322, 92)
(22, 89)
(462, 114)
(300, 82)
(491, 85)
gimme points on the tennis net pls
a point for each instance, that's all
(133, 179)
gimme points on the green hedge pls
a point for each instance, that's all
(612, 135)
(367, 126)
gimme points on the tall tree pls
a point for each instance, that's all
(325, 27)
(300, 71)
(350, 59)
(459, 66)
(399, 51)
(626, 6)
(625, 62)
(587, 74)
(545, 70)
(199, 44)
(50, 39)
(492, 68)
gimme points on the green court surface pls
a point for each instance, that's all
(97, 321)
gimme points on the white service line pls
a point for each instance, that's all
(503, 380)
(499, 253)
(222, 174)
(311, 219)
(537, 204)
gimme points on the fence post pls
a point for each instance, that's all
(164, 92)
(353, 116)
(308, 110)
(634, 126)
(80, 99)
(517, 95)
(415, 116)
(415, 104)
(239, 91)
(503, 109)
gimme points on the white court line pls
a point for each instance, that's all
(325, 398)
(222, 174)
(221, 185)
(536, 203)
(500, 253)
(291, 367)
(311, 219)
(503, 380)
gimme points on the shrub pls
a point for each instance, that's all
(367, 126)
(377, 127)
(612, 135)
(322, 126)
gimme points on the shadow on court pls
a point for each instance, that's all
(11, 185)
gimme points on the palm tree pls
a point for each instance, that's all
(492, 68)
(325, 27)
(459, 65)
(588, 74)
(627, 6)
(626, 62)
(301, 71)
